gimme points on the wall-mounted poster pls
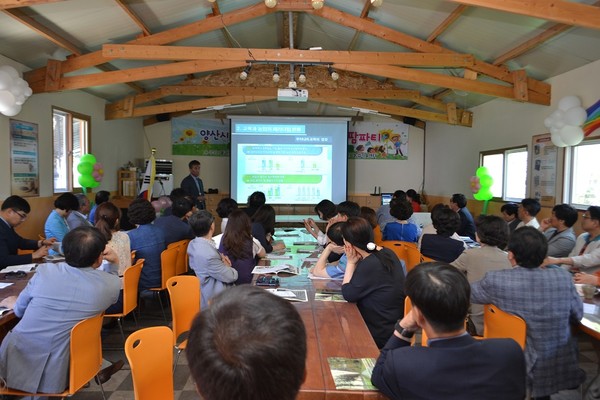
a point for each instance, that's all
(545, 157)
(378, 141)
(200, 137)
(24, 159)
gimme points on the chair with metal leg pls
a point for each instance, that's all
(168, 263)
(184, 291)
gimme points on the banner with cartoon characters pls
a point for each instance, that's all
(200, 137)
(378, 141)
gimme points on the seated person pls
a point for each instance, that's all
(441, 246)
(492, 235)
(430, 229)
(336, 269)
(101, 197)
(458, 204)
(147, 240)
(510, 213)
(414, 199)
(79, 217)
(34, 356)
(371, 216)
(13, 213)
(255, 200)
(400, 228)
(374, 280)
(462, 367)
(264, 357)
(56, 224)
(263, 228)
(558, 230)
(175, 226)
(175, 194)
(212, 268)
(384, 216)
(528, 209)
(326, 210)
(224, 208)
(548, 302)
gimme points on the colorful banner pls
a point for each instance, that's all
(592, 122)
(200, 137)
(378, 141)
(148, 181)
(24, 158)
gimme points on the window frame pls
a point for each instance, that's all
(504, 151)
(71, 115)
(569, 169)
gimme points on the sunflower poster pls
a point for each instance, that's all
(378, 141)
(199, 137)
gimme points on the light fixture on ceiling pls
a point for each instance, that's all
(332, 72)
(317, 4)
(245, 72)
(211, 1)
(302, 76)
(276, 75)
(217, 108)
(376, 3)
(270, 3)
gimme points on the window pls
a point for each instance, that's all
(71, 139)
(508, 168)
(583, 188)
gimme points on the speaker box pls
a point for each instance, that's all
(163, 117)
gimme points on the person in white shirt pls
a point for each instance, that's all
(528, 209)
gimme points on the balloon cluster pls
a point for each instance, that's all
(565, 122)
(13, 91)
(162, 203)
(91, 171)
(481, 184)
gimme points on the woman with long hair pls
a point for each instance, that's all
(374, 280)
(107, 217)
(263, 228)
(238, 244)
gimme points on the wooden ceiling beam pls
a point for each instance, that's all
(6, 4)
(565, 12)
(217, 11)
(140, 52)
(441, 28)
(134, 17)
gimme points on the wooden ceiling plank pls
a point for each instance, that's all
(520, 85)
(147, 52)
(43, 30)
(363, 14)
(565, 12)
(106, 67)
(53, 75)
(451, 112)
(143, 73)
(441, 28)
(134, 18)
(6, 4)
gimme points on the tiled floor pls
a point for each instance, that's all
(120, 386)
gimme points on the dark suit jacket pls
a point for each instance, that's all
(10, 243)
(191, 189)
(467, 224)
(458, 368)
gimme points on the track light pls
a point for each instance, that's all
(276, 74)
(334, 75)
(270, 3)
(245, 72)
(376, 3)
(302, 76)
(211, 1)
(317, 4)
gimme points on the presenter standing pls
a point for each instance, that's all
(193, 186)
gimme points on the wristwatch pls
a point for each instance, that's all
(403, 331)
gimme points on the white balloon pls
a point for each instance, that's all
(556, 139)
(28, 91)
(7, 100)
(19, 100)
(10, 71)
(548, 121)
(16, 90)
(571, 135)
(575, 116)
(12, 111)
(5, 80)
(568, 102)
(558, 123)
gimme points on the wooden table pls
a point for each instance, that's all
(9, 320)
(334, 329)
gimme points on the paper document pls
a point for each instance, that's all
(290, 294)
(352, 373)
(16, 268)
(3, 285)
(272, 256)
(275, 269)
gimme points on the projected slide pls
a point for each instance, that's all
(291, 162)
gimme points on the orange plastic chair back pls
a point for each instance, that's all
(184, 292)
(378, 236)
(413, 257)
(182, 258)
(168, 263)
(131, 279)
(397, 247)
(149, 352)
(500, 324)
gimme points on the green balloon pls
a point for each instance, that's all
(86, 181)
(94, 183)
(481, 171)
(85, 168)
(486, 194)
(478, 196)
(88, 158)
(486, 181)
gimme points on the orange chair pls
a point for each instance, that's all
(184, 292)
(131, 279)
(500, 324)
(85, 359)
(397, 246)
(150, 356)
(413, 257)
(168, 263)
(182, 257)
(378, 236)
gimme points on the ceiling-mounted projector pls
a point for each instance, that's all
(289, 94)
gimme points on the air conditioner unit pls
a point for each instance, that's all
(289, 94)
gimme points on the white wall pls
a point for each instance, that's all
(363, 175)
(113, 142)
(452, 153)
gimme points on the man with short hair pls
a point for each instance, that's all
(193, 186)
(101, 197)
(510, 215)
(34, 356)
(548, 302)
(249, 344)
(461, 367)
(458, 204)
(79, 217)
(175, 226)
(528, 209)
(558, 230)
(14, 212)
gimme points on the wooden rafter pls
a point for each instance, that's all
(457, 12)
(565, 12)
(6, 4)
(134, 17)
(215, 12)
(363, 14)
